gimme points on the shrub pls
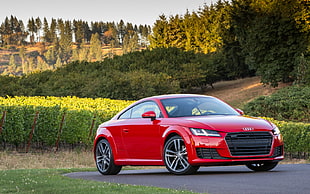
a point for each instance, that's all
(73, 119)
(296, 137)
(290, 104)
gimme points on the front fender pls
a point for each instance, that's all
(185, 134)
(104, 133)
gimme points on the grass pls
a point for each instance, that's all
(43, 173)
(63, 159)
(52, 181)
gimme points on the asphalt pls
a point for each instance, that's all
(286, 178)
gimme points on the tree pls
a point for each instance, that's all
(12, 31)
(46, 31)
(65, 40)
(41, 64)
(38, 27)
(144, 32)
(121, 31)
(130, 43)
(51, 55)
(52, 31)
(95, 47)
(158, 38)
(269, 36)
(78, 31)
(32, 28)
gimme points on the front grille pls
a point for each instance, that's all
(249, 143)
(208, 153)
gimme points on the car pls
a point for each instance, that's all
(184, 132)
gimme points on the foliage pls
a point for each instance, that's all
(73, 119)
(81, 116)
(238, 38)
(292, 103)
(62, 40)
(263, 37)
(302, 70)
(131, 76)
(296, 137)
(272, 34)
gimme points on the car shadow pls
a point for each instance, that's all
(201, 171)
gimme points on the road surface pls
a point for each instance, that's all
(286, 178)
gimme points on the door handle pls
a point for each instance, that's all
(125, 130)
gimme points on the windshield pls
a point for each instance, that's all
(196, 106)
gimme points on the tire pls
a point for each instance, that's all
(104, 159)
(175, 157)
(262, 166)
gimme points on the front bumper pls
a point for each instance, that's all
(216, 151)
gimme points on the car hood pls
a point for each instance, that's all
(228, 123)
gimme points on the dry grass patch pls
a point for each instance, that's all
(68, 160)
(239, 92)
(64, 159)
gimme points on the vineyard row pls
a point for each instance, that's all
(48, 122)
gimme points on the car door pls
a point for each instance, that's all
(141, 136)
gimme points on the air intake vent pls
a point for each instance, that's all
(249, 143)
(208, 153)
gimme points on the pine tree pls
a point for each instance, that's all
(32, 29)
(12, 64)
(58, 62)
(46, 31)
(121, 31)
(96, 47)
(38, 27)
(159, 36)
(65, 41)
(79, 32)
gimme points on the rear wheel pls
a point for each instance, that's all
(175, 157)
(104, 158)
(262, 166)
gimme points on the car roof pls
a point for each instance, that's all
(160, 97)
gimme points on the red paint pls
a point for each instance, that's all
(140, 141)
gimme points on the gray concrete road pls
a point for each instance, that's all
(286, 178)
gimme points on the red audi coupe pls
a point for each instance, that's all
(184, 132)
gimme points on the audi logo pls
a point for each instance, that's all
(248, 129)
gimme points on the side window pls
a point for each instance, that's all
(126, 115)
(139, 109)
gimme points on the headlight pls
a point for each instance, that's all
(204, 132)
(276, 131)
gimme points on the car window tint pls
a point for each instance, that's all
(198, 106)
(138, 110)
(126, 115)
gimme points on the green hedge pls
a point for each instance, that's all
(72, 126)
(78, 127)
(289, 104)
(296, 137)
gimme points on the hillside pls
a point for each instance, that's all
(239, 92)
(38, 56)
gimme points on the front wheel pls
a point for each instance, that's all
(262, 166)
(104, 159)
(175, 157)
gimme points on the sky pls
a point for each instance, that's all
(132, 11)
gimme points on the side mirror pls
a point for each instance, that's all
(239, 111)
(149, 114)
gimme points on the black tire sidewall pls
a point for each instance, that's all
(189, 170)
(112, 168)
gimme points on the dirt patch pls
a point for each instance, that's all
(241, 91)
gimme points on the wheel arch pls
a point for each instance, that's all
(184, 134)
(105, 135)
